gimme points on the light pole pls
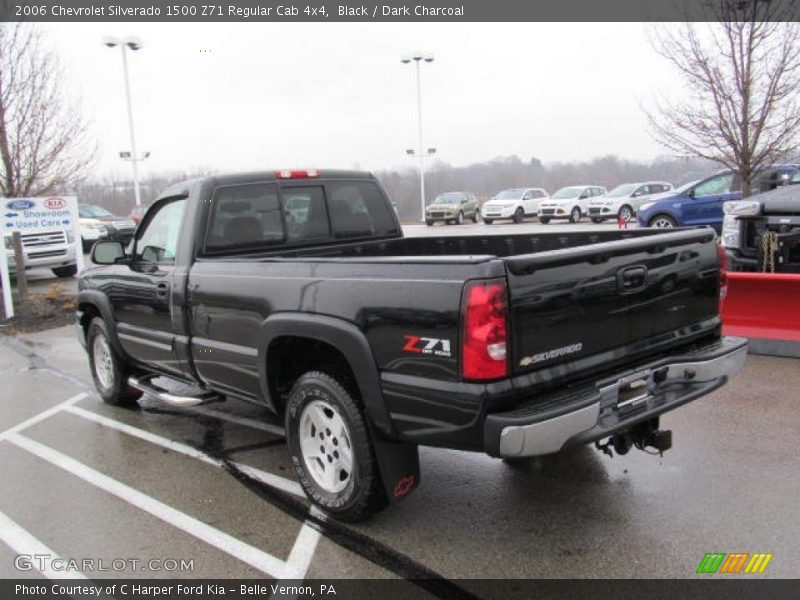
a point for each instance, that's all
(418, 57)
(132, 43)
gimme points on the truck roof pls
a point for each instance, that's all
(182, 188)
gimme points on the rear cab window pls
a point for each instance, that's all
(253, 216)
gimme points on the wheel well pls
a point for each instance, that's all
(662, 214)
(289, 357)
(88, 312)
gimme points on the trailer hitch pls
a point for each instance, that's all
(643, 436)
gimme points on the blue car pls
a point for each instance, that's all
(700, 202)
(696, 203)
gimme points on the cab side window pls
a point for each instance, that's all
(158, 242)
(721, 184)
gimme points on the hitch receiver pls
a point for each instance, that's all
(644, 435)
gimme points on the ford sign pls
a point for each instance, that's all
(20, 204)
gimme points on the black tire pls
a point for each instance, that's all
(460, 218)
(87, 247)
(573, 218)
(429, 223)
(662, 221)
(363, 494)
(68, 271)
(487, 221)
(476, 216)
(597, 220)
(519, 215)
(544, 220)
(116, 391)
(625, 213)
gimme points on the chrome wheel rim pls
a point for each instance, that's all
(460, 218)
(625, 213)
(326, 447)
(662, 223)
(103, 365)
(576, 214)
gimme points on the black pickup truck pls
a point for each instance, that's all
(297, 290)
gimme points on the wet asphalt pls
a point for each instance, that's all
(214, 485)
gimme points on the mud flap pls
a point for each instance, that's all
(399, 466)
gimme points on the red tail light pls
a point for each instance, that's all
(723, 272)
(485, 330)
(296, 174)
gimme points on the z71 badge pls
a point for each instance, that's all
(426, 345)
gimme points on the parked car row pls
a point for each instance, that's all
(571, 203)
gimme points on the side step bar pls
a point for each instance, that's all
(146, 385)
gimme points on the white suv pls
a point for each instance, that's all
(570, 202)
(624, 200)
(516, 204)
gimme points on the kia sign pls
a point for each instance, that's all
(49, 215)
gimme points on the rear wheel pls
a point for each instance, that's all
(428, 223)
(331, 449)
(662, 222)
(68, 271)
(519, 215)
(575, 215)
(109, 372)
(625, 213)
(476, 216)
(544, 220)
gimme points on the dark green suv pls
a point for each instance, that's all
(453, 207)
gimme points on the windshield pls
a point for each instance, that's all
(566, 193)
(449, 198)
(93, 212)
(626, 189)
(509, 194)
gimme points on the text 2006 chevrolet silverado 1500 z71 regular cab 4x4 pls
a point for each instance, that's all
(298, 291)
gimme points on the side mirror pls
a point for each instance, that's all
(690, 193)
(107, 252)
(583, 196)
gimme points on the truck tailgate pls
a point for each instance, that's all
(612, 300)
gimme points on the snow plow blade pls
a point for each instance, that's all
(762, 305)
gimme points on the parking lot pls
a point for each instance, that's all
(214, 485)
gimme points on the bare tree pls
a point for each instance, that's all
(44, 145)
(742, 75)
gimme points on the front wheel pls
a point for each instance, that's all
(519, 215)
(625, 214)
(575, 215)
(109, 372)
(429, 223)
(331, 449)
(476, 216)
(460, 218)
(662, 222)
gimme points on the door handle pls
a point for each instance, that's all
(162, 289)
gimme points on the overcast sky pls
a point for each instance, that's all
(265, 95)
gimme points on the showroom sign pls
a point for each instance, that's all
(35, 215)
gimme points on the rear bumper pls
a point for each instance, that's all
(611, 405)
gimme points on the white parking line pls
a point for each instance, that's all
(45, 414)
(276, 481)
(258, 559)
(247, 422)
(303, 551)
(22, 542)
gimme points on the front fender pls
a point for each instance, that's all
(347, 339)
(101, 302)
